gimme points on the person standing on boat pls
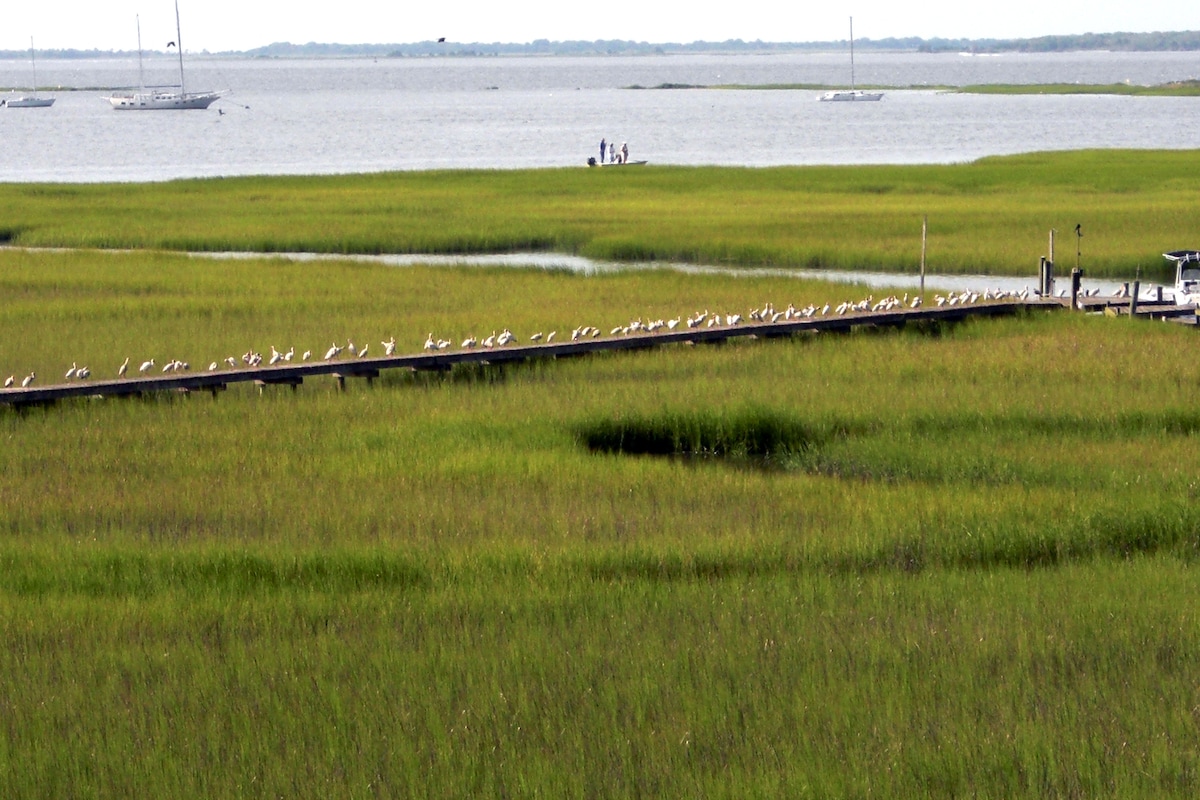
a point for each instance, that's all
(603, 145)
(624, 153)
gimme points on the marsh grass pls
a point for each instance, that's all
(1188, 88)
(992, 215)
(968, 570)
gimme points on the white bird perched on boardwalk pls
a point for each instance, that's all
(83, 373)
(363, 353)
(213, 366)
(276, 356)
(307, 355)
(332, 352)
(442, 344)
(28, 380)
(146, 366)
(290, 354)
(71, 372)
(490, 341)
(430, 342)
(389, 347)
(124, 366)
(537, 337)
(505, 337)
(350, 348)
(469, 342)
(550, 336)
(8, 382)
(231, 361)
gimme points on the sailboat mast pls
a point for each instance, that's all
(179, 47)
(141, 72)
(852, 54)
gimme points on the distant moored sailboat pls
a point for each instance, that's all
(853, 94)
(163, 98)
(30, 100)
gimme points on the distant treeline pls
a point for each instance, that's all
(1157, 41)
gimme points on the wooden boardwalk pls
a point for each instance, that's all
(293, 374)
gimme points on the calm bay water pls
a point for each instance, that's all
(365, 115)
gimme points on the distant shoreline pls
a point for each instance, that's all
(1153, 42)
(1186, 88)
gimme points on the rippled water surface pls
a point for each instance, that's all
(364, 115)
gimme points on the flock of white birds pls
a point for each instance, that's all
(767, 313)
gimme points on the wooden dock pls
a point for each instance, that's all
(293, 374)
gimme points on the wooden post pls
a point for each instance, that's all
(924, 235)
(1076, 277)
(1133, 298)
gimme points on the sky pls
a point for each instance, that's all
(217, 25)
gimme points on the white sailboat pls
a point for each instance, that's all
(159, 98)
(30, 100)
(853, 94)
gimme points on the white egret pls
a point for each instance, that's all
(71, 372)
(28, 380)
(8, 382)
(146, 366)
(363, 353)
(124, 366)
(83, 373)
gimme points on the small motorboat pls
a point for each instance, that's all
(592, 162)
(1187, 276)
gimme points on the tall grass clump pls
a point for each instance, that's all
(755, 435)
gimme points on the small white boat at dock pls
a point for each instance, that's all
(1187, 276)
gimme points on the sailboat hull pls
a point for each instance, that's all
(30, 102)
(163, 101)
(855, 96)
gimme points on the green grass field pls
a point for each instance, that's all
(991, 216)
(941, 562)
